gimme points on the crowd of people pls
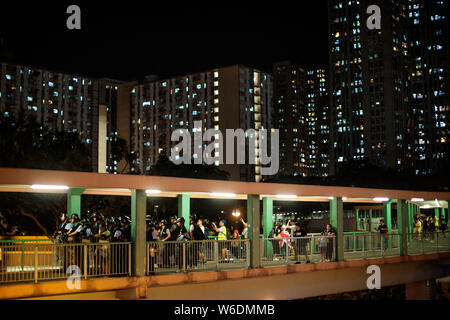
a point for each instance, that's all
(93, 228)
(294, 241)
(426, 226)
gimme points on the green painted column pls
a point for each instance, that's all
(402, 212)
(357, 219)
(337, 222)
(387, 214)
(267, 225)
(370, 220)
(254, 224)
(184, 208)
(436, 212)
(74, 201)
(443, 213)
(138, 236)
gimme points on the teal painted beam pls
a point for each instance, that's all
(74, 201)
(184, 208)
(254, 224)
(267, 225)
(138, 235)
(337, 222)
(387, 214)
(402, 212)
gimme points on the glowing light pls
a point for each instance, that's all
(48, 187)
(152, 191)
(286, 196)
(222, 194)
(380, 199)
(417, 199)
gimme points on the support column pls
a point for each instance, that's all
(402, 211)
(387, 214)
(370, 220)
(436, 212)
(267, 225)
(254, 223)
(184, 208)
(74, 201)
(337, 222)
(138, 237)
(357, 219)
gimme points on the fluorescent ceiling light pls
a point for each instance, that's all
(344, 198)
(152, 191)
(417, 199)
(437, 203)
(426, 206)
(48, 187)
(222, 194)
(286, 196)
(380, 199)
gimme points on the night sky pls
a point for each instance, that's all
(127, 40)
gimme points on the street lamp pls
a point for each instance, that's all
(236, 213)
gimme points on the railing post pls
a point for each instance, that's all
(184, 257)
(35, 264)
(216, 253)
(23, 255)
(148, 258)
(247, 255)
(287, 251)
(129, 259)
(85, 248)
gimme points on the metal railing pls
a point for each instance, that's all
(371, 245)
(282, 251)
(428, 242)
(204, 255)
(36, 261)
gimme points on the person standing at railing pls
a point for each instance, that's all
(182, 236)
(300, 242)
(417, 228)
(244, 233)
(164, 236)
(203, 236)
(102, 252)
(329, 231)
(323, 247)
(284, 243)
(222, 239)
(384, 234)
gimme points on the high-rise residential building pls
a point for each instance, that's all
(428, 117)
(318, 123)
(289, 116)
(301, 114)
(65, 102)
(234, 97)
(368, 80)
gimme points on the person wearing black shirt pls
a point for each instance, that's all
(329, 231)
(302, 243)
(182, 236)
(165, 236)
(383, 233)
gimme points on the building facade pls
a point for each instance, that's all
(301, 114)
(368, 79)
(428, 125)
(64, 102)
(234, 97)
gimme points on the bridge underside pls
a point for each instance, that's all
(285, 282)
